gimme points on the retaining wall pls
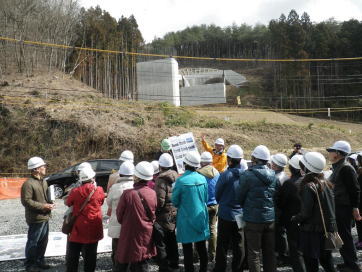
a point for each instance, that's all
(203, 94)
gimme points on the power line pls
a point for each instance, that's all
(176, 57)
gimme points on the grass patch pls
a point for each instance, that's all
(176, 117)
(138, 121)
(258, 125)
(210, 123)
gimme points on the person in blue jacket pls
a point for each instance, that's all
(190, 198)
(228, 231)
(256, 191)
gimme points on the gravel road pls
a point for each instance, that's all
(12, 221)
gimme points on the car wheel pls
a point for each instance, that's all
(58, 191)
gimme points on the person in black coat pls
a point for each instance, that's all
(288, 202)
(347, 197)
(359, 223)
(297, 149)
(312, 235)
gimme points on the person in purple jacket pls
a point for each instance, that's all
(135, 247)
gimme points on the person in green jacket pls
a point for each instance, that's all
(190, 198)
(37, 213)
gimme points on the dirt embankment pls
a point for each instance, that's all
(64, 121)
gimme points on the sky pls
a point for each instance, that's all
(157, 17)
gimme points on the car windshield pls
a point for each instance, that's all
(68, 170)
(93, 164)
(109, 165)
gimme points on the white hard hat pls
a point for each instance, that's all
(206, 157)
(156, 167)
(353, 156)
(144, 170)
(83, 165)
(220, 141)
(261, 152)
(126, 156)
(192, 158)
(35, 162)
(126, 169)
(314, 162)
(279, 159)
(235, 152)
(86, 174)
(165, 160)
(340, 146)
(294, 161)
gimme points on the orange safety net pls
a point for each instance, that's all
(10, 187)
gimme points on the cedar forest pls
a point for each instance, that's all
(279, 85)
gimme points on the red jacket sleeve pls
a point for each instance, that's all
(70, 199)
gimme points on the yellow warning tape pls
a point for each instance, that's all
(170, 56)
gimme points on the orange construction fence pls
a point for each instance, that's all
(10, 187)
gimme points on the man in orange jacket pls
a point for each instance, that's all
(219, 158)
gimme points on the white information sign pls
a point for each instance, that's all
(180, 146)
(12, 247)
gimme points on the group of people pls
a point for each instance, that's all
(262, 213)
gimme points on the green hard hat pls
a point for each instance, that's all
(165, 145)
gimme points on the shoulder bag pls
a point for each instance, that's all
(157, 231)
(332, 239)
(70, 219)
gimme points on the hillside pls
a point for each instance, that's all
(65, 121)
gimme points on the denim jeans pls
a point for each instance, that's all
(36, 244)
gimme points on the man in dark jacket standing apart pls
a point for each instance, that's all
(227, 229)
(256, 192)
(37, 213)
(346, 196)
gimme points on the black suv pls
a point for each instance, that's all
(65, 178)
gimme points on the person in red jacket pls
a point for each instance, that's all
(88, 227)
(135, 246)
